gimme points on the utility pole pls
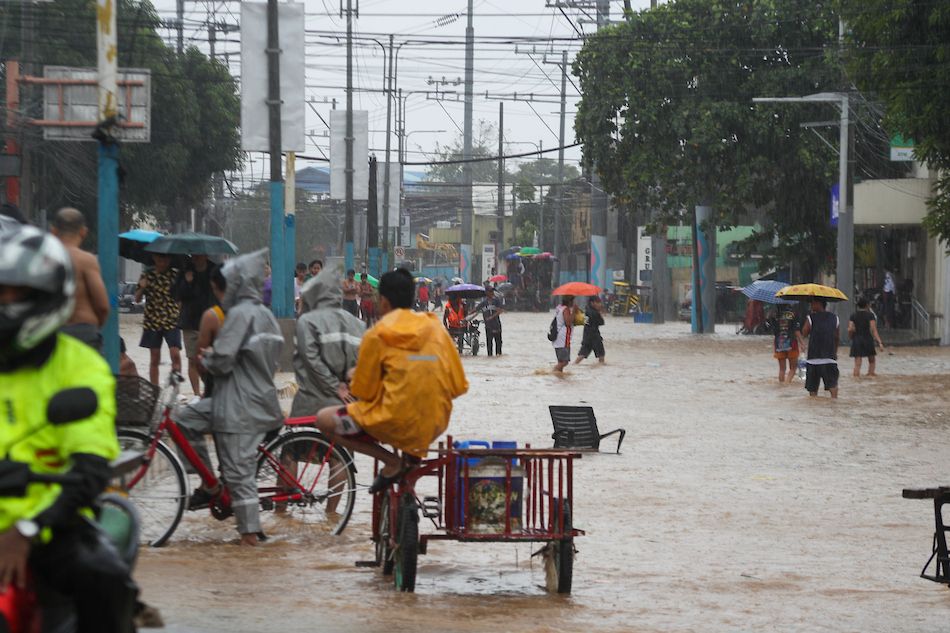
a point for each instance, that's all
(386, 175)
(559, 213)
(500, 242)
(282, 298)
(108, 186)
(844, 270)
(349, 255)
(468, 210)
(598, 216)
(180, 26)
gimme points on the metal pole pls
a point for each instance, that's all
(283, 296)
(180, 13)
(108, 185)
(401, 134)
(386, 176)
(560, 172)
(540, 195)
(500, 242)
(468, 210)
(845, 265)
(349, 255)
(598, 216)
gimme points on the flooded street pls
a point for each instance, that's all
(736, 504)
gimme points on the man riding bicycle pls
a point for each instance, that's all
(405, 379)
(47, 529)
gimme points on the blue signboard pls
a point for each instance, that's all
(835, 202)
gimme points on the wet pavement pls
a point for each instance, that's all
(736, 504)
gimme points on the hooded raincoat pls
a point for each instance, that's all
(407, 376)
(245, 354)
(328, 340)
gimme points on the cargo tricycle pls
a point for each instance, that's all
(483, 493)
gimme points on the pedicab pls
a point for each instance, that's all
(482, 494)
(467, 336)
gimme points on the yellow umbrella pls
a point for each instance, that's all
(806, 292)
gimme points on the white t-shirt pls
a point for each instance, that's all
(563, 327)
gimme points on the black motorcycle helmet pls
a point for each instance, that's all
(39, 263)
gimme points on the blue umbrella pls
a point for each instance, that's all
(132, 244)
(764, 290)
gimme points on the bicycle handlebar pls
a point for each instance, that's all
(170, 391)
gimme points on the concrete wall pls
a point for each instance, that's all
(894, 201)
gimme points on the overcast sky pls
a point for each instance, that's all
(435, 30)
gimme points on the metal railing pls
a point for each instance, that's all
(920, 320)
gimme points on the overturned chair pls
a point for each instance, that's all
(576, 427)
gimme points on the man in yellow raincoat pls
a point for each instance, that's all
(404, 382)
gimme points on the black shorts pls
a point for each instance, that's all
(592, 346)
(152, 339)
(815, 374)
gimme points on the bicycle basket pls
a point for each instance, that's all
(135, 400)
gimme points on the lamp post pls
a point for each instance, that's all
(845, 267)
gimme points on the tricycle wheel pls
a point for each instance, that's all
(475, 346)
(460, 340)
(559, 559)
(384, 552)
(407, 545)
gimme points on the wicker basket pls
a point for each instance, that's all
(135, 400)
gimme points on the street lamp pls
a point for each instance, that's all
(845, 268)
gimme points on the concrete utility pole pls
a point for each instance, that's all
(468, 210)
(844, 270)
(386, 176)
(348, 253)
(598, 215)
(559, 213)
(180, 25)
(282, 297)
(108, 186)
(500, 242)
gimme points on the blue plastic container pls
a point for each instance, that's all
(643, 317)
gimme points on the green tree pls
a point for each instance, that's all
(899, 51)
(667, 116)
(194, 119)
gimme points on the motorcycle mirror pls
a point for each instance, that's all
(14, 477)
(71, 405)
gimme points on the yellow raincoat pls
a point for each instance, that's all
(406, 377)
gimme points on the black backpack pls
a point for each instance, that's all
(552, 331)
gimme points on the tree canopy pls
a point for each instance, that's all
(667, 116)
(195, 113)
(900, 51)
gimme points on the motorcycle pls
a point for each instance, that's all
(115, 517)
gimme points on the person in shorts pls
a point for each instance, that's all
(162, 312)
(788, 341)
(564, 318)
(193, 290)
(592, 341)
(404, 381)
(821, 328)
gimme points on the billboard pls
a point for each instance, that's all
(360, 156)
(255, 128)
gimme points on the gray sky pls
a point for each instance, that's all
(436, 30)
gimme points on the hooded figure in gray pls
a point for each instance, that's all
(328, 339)
(244, 407)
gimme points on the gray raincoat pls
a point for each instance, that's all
(245, 353)
(328, 339)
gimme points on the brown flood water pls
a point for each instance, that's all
(736, 504)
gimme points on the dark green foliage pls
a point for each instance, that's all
(668, 119)
(900, 50)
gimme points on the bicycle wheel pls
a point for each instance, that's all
(158, 489)
(559, 559)
(407, 546)
(321, 476)
(384, 551)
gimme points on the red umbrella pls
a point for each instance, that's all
(495, 279)
(577, 289)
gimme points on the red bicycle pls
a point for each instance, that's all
(300, 474)
(482, 495)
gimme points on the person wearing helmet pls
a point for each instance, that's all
(46, 529)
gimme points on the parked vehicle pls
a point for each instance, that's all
(127, 302)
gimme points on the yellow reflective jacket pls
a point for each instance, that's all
(26, 437)
(406, 377)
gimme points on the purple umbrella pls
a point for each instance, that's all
(466, 291)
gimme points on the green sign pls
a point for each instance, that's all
(902, 149)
